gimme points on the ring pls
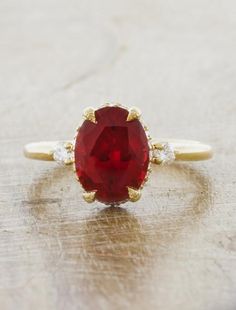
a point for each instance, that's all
(112, 154)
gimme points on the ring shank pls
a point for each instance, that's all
(185, 150)
(188, 150)
(41, 150)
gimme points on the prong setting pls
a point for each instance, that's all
(89, 197)
(134, 113)
(157, 146)
(89, 115)
(162, 153)
(134, 194)
(64, 153)
(69, 146)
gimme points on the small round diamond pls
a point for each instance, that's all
(166, 155)
(63, 153)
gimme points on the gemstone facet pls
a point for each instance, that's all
(111, 155)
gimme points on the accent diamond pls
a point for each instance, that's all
(164, 156)
(63, 153)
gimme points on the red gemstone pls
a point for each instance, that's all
(111, 155)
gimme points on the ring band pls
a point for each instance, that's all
(112, 154)
(185, 150)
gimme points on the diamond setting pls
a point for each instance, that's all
(63, 153)
(164, 155)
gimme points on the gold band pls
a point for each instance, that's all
(188, 150)
(185, 150)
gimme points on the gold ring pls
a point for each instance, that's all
(112, 153)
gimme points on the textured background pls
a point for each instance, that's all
(174, 249)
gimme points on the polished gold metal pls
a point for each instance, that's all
(157, 146)
(69, 146)
(134, 113)
(156, 161)
(134, 194)
(89, 115)
(41, 150)
(89, 196)
(68, 162)
(185, 150)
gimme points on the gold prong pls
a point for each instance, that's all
(89, 196)
(156, 161)
(89, 115)
(69, 146)
(134, 113)
(68, 162)
(134, 194)
(157, 146)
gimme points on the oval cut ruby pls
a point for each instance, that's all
(111, 155)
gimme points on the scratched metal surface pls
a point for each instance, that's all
(174, 249)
